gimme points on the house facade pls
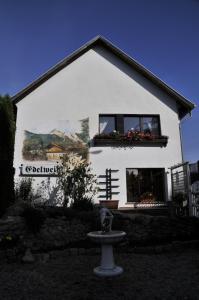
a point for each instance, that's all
(102, 106)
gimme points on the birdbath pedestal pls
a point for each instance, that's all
(107, 267)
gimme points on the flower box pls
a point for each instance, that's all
(122, 142)
(148, 201)
(111, 204)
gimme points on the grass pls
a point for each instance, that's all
(169, 276)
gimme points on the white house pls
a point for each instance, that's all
(104, 106)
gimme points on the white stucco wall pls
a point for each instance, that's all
(97, 83)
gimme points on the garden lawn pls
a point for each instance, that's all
(173, 275)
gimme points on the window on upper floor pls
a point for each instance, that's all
(145, 124)
(119, 129)
(107, 123)
(124, 123)
(131, 123)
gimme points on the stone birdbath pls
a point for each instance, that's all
(106, 238)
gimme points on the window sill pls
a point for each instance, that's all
(158, 142)
(137, 204)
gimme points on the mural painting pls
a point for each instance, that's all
(50, 141)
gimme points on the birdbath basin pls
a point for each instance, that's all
(106, 240)
(110, 237)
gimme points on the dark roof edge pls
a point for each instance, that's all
(185, 105)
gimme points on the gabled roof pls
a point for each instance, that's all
(185, 106)
(54, 148)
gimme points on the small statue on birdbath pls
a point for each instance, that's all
(106, 218)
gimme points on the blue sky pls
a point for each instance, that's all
(163, 35)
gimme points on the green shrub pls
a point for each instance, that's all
(7, 133)
(70, 213)
(7, 128)
(76, 182)
(179, 198)
(24, 190)
(84, 204)
(54, 211)
(8, 241)
(86, 217)
(34, 218)
(90, 217)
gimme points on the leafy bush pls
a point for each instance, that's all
(49, 193)
(34, 218)
(83, 204)
(8, 241)
(7, 128)
(54, 211)
(70, 213)
(76, 181)
(24, 190)
(90, 217)
(179, 198)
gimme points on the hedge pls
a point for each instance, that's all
(7, 134)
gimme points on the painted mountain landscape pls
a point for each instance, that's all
(51, 146)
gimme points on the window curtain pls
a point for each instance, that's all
(103, 125)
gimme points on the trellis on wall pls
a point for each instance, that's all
(107, 186)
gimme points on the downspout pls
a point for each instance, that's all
(187, 171)
(180, 130)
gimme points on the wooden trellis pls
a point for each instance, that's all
(107, 186)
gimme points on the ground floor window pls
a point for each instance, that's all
(145, 185)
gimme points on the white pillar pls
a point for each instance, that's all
(107, 260)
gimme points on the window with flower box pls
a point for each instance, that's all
(115, 129)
